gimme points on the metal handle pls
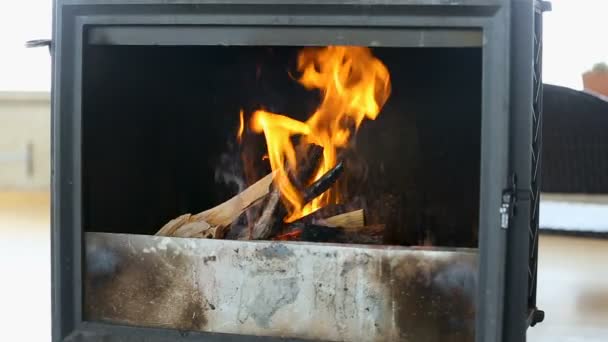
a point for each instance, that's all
(39, 43)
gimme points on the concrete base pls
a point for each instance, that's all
(301, 290)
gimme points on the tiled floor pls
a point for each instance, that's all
(25, 282)
(573, 278)
(572, 289)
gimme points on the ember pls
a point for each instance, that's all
(291, 236)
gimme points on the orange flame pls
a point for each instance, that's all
(239, 133)
(354, 86)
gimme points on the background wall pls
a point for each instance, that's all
(24, 140)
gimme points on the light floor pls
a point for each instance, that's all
(573, 278)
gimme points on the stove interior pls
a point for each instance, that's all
(160, 127)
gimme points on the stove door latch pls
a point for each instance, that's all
(506, 208)
(511, 197)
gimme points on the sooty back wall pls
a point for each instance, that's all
(158, 120)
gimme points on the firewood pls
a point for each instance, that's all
(185, 226)
(212, 223)
(225, 213)
(309, 163)
(371, 230)
(263, 227)
(333, 210)
(170, 227)
(199, 229)
(216, 219)
(322, 184)
(274, 211)
(372, 234)
(353, 218)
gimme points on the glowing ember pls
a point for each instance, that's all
(354, 85)
(289, 236)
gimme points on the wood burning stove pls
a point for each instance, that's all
(423, 119)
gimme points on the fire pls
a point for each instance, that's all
(354, 86)
(239, 133)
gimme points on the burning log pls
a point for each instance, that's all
(274, 212)
(264, 226)
(353, 220)
(322, 184)
(214, 222)
(310, 163)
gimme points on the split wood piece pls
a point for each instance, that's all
(170, 227)
(184, 226)
(355, 218)
(225, 213)
(199, 229)
(263, 227)
(221, 216)
(329, 211)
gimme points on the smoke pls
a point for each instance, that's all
(229, 170)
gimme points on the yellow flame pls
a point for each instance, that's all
(354, 86)
(239, 134)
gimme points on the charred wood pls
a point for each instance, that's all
(324, 183)
(357, 235)
(311, 163)
(265, 225)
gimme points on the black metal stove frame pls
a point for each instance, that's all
(507, 30)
